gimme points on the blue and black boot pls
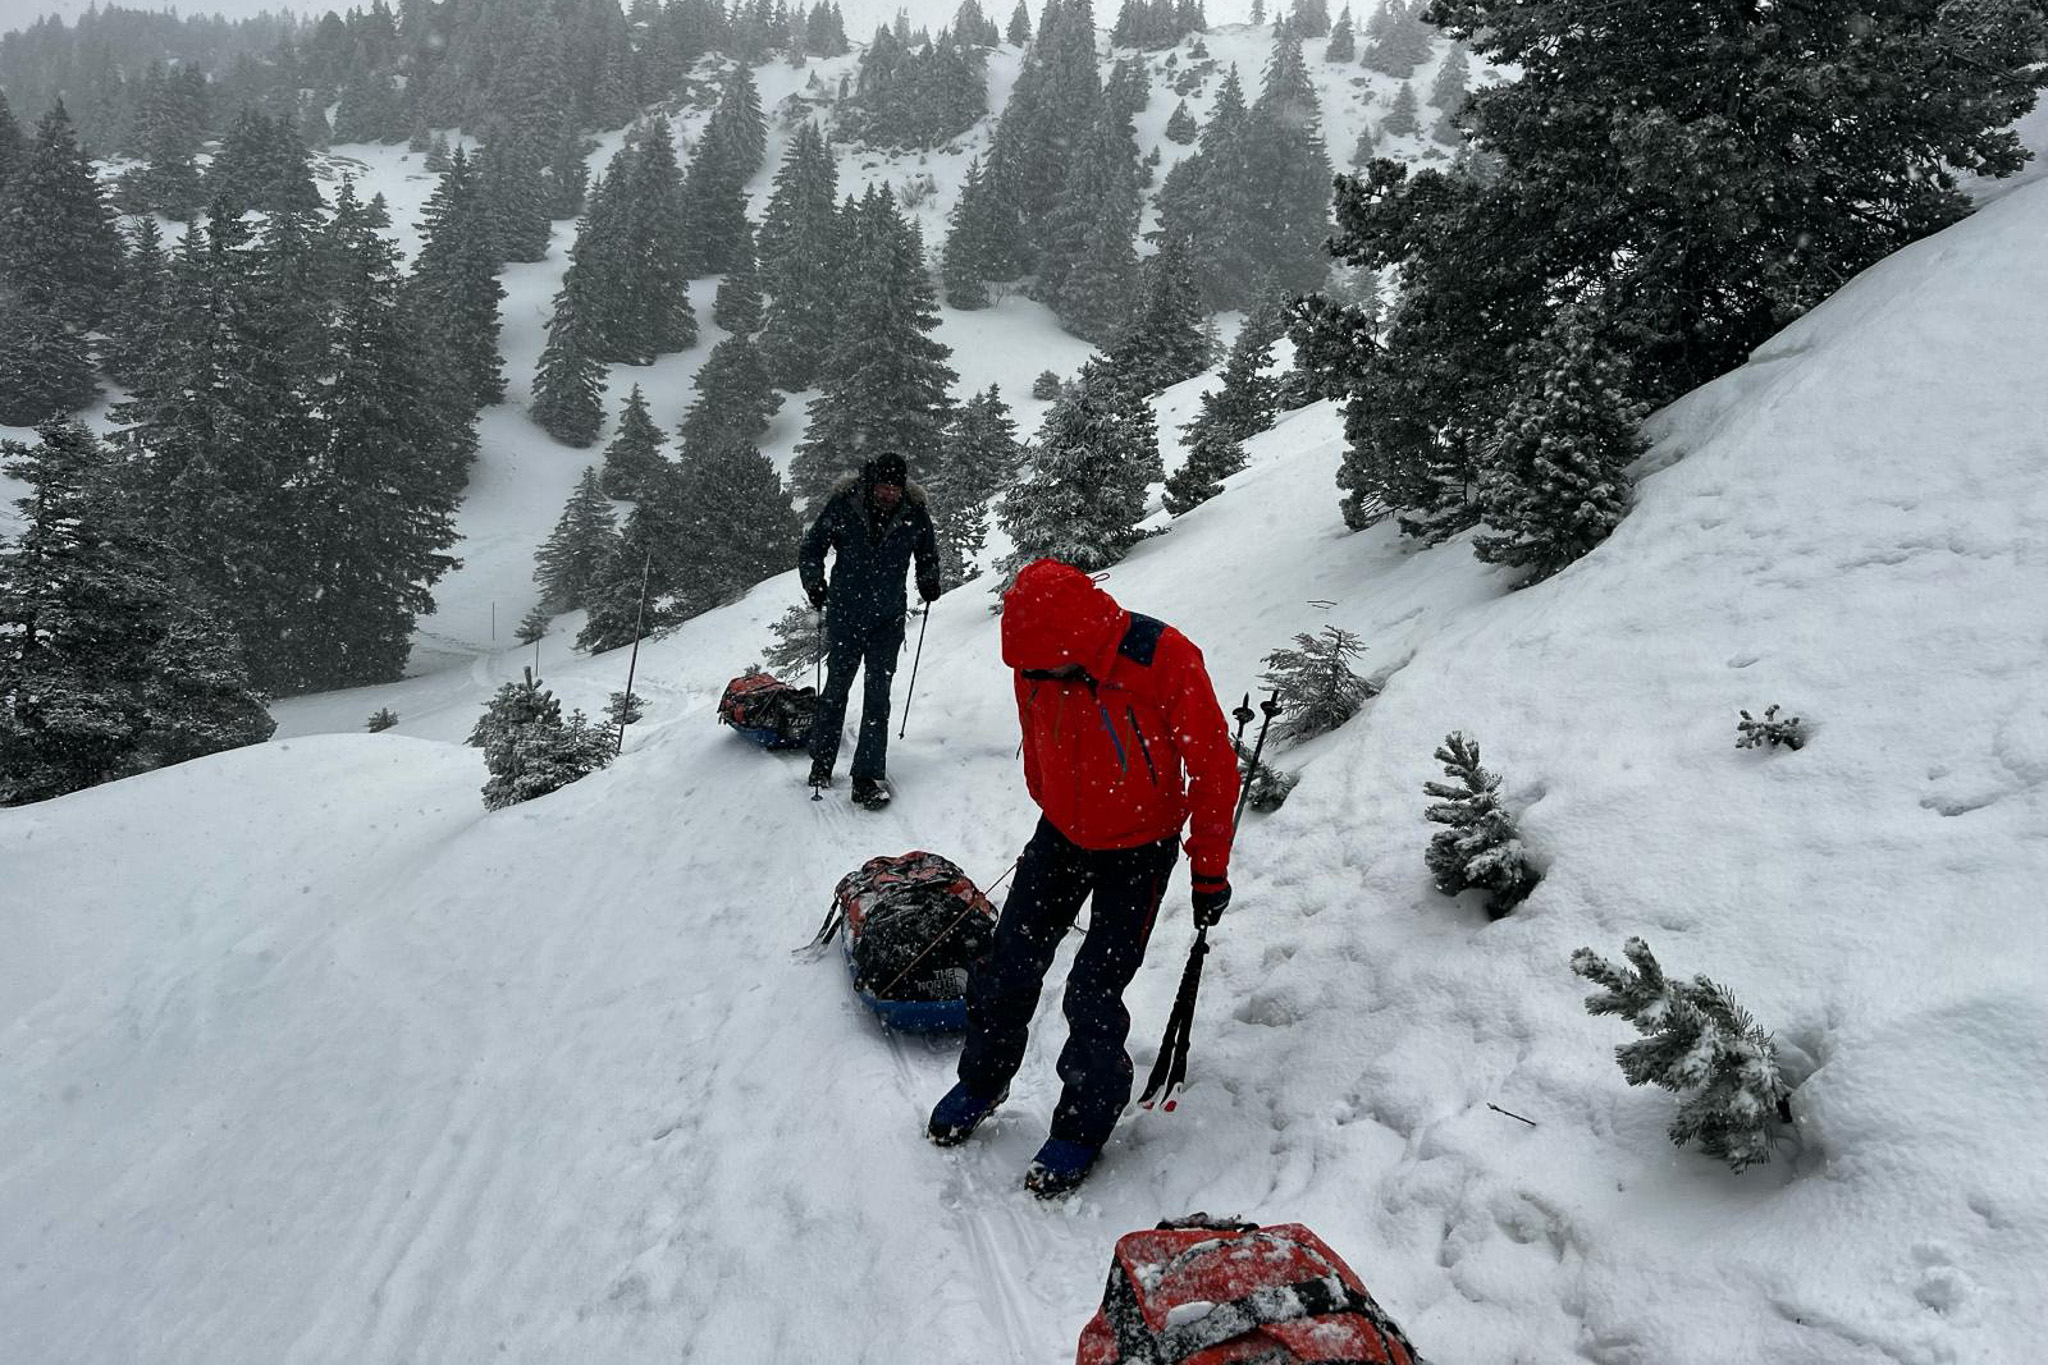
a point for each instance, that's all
(1059, 1167)
(955, 1117)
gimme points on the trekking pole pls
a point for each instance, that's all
(911, 695)
(958, 920)
(1170, 1069)
(632, 663)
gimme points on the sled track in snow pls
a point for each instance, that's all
(1001, 1237)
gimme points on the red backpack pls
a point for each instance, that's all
(768, 710)
(1197, 1292)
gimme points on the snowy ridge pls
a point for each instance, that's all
(329, 1064)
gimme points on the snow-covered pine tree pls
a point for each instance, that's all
(735, 523)
(381, 719)
(1481, 846)
(13, 150)
(45, 365)
(980, 460)
(1212, 455)
(513, 197)
(1090, 231)
(1699, 1044)
(972, 254)
(737, 306)
(633, 462)
(1018, 33)
(885, 385)
(1554, 482)
(1097, 456)
(141, 306)
(714, 199)
(1266, 786)
(797, 646)
(1181, 127)
(1047, 386)
(568, 388)
(1164, 339)
(1315, 685)
(1343, 44)
(455, 289)
(530, 749)
(624, 708)
(534, 626)
(582, 540)
(800, 262)
(1448, 92)
(108, 666)
(437, 159)
(735, 398)
(59, 251)
(1403, 118)
(262, 165)
(1311, 18)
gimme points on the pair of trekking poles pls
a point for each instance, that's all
(1170, 1070)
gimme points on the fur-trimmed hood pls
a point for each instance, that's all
(913, 491)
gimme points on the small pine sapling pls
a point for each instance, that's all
(1266, 787)
(382, 719)
(533, 626)
(799, 644)
(1769, 732)
(1315, 685)
(1481, 846)
(530, 749)
(1046, 386)
(1700, 1045)
(623, 708)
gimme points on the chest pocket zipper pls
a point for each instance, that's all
(1143, 747)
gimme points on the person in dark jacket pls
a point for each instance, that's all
(1125, 746)
(875, 525)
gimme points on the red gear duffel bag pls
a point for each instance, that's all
(1197, 1292)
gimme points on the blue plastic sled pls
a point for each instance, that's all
(906, 1016)
(769, 739)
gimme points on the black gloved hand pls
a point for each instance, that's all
(928, 591)
(1211, 897)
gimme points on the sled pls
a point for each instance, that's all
(768, 711)
(910, 927)
(1202, 1292)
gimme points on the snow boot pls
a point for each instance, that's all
(821, 772)
(871, 793)
(958, 1114)
(1059, 1168)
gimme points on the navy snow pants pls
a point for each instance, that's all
(872, 647)
(1054, 876)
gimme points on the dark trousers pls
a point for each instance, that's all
(873, 648)
(1054, 876)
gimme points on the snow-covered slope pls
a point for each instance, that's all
(308, 1058)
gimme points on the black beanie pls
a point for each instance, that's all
(888, 468)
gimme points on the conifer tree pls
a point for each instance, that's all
(1093, 218)
(633, 462)
(735, 399)
(582, 540)
(799, 247)
(1401, 119)
(568, 388)
(45, 366)
(530, 748)
(437, 159)
(1697, 1042)
(513, 199)
(1181, 127)
(1448, 93)
(456, 287)
(1097, 456)
(375, 506)
(1164, 339)
(173, 122)
(736, 523)
(59, 251)
(737, 306)
(981, 458)
(13, 150)
(1314, 683)
(798, 644)
(1311, 18)
(1279, 211)
(1018, 34)
(1555, 481)
(1343, 44)
(568, 178)
(108, 666)
(534, 626)
(261, 165)
(973, 253)
(714, 192)
(885, 385)
(1212, 455)
(1480, 846)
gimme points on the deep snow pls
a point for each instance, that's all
(312, 1059)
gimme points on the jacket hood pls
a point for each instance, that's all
(913, 492)
(1054, 615)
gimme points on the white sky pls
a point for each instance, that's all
(861, 15)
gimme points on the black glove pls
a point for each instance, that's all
(1211, 897)
(928, 591)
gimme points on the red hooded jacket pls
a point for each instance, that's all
(1104, 755)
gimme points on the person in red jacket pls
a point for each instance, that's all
(1125, 746)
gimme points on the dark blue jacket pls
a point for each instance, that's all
(867, 575)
